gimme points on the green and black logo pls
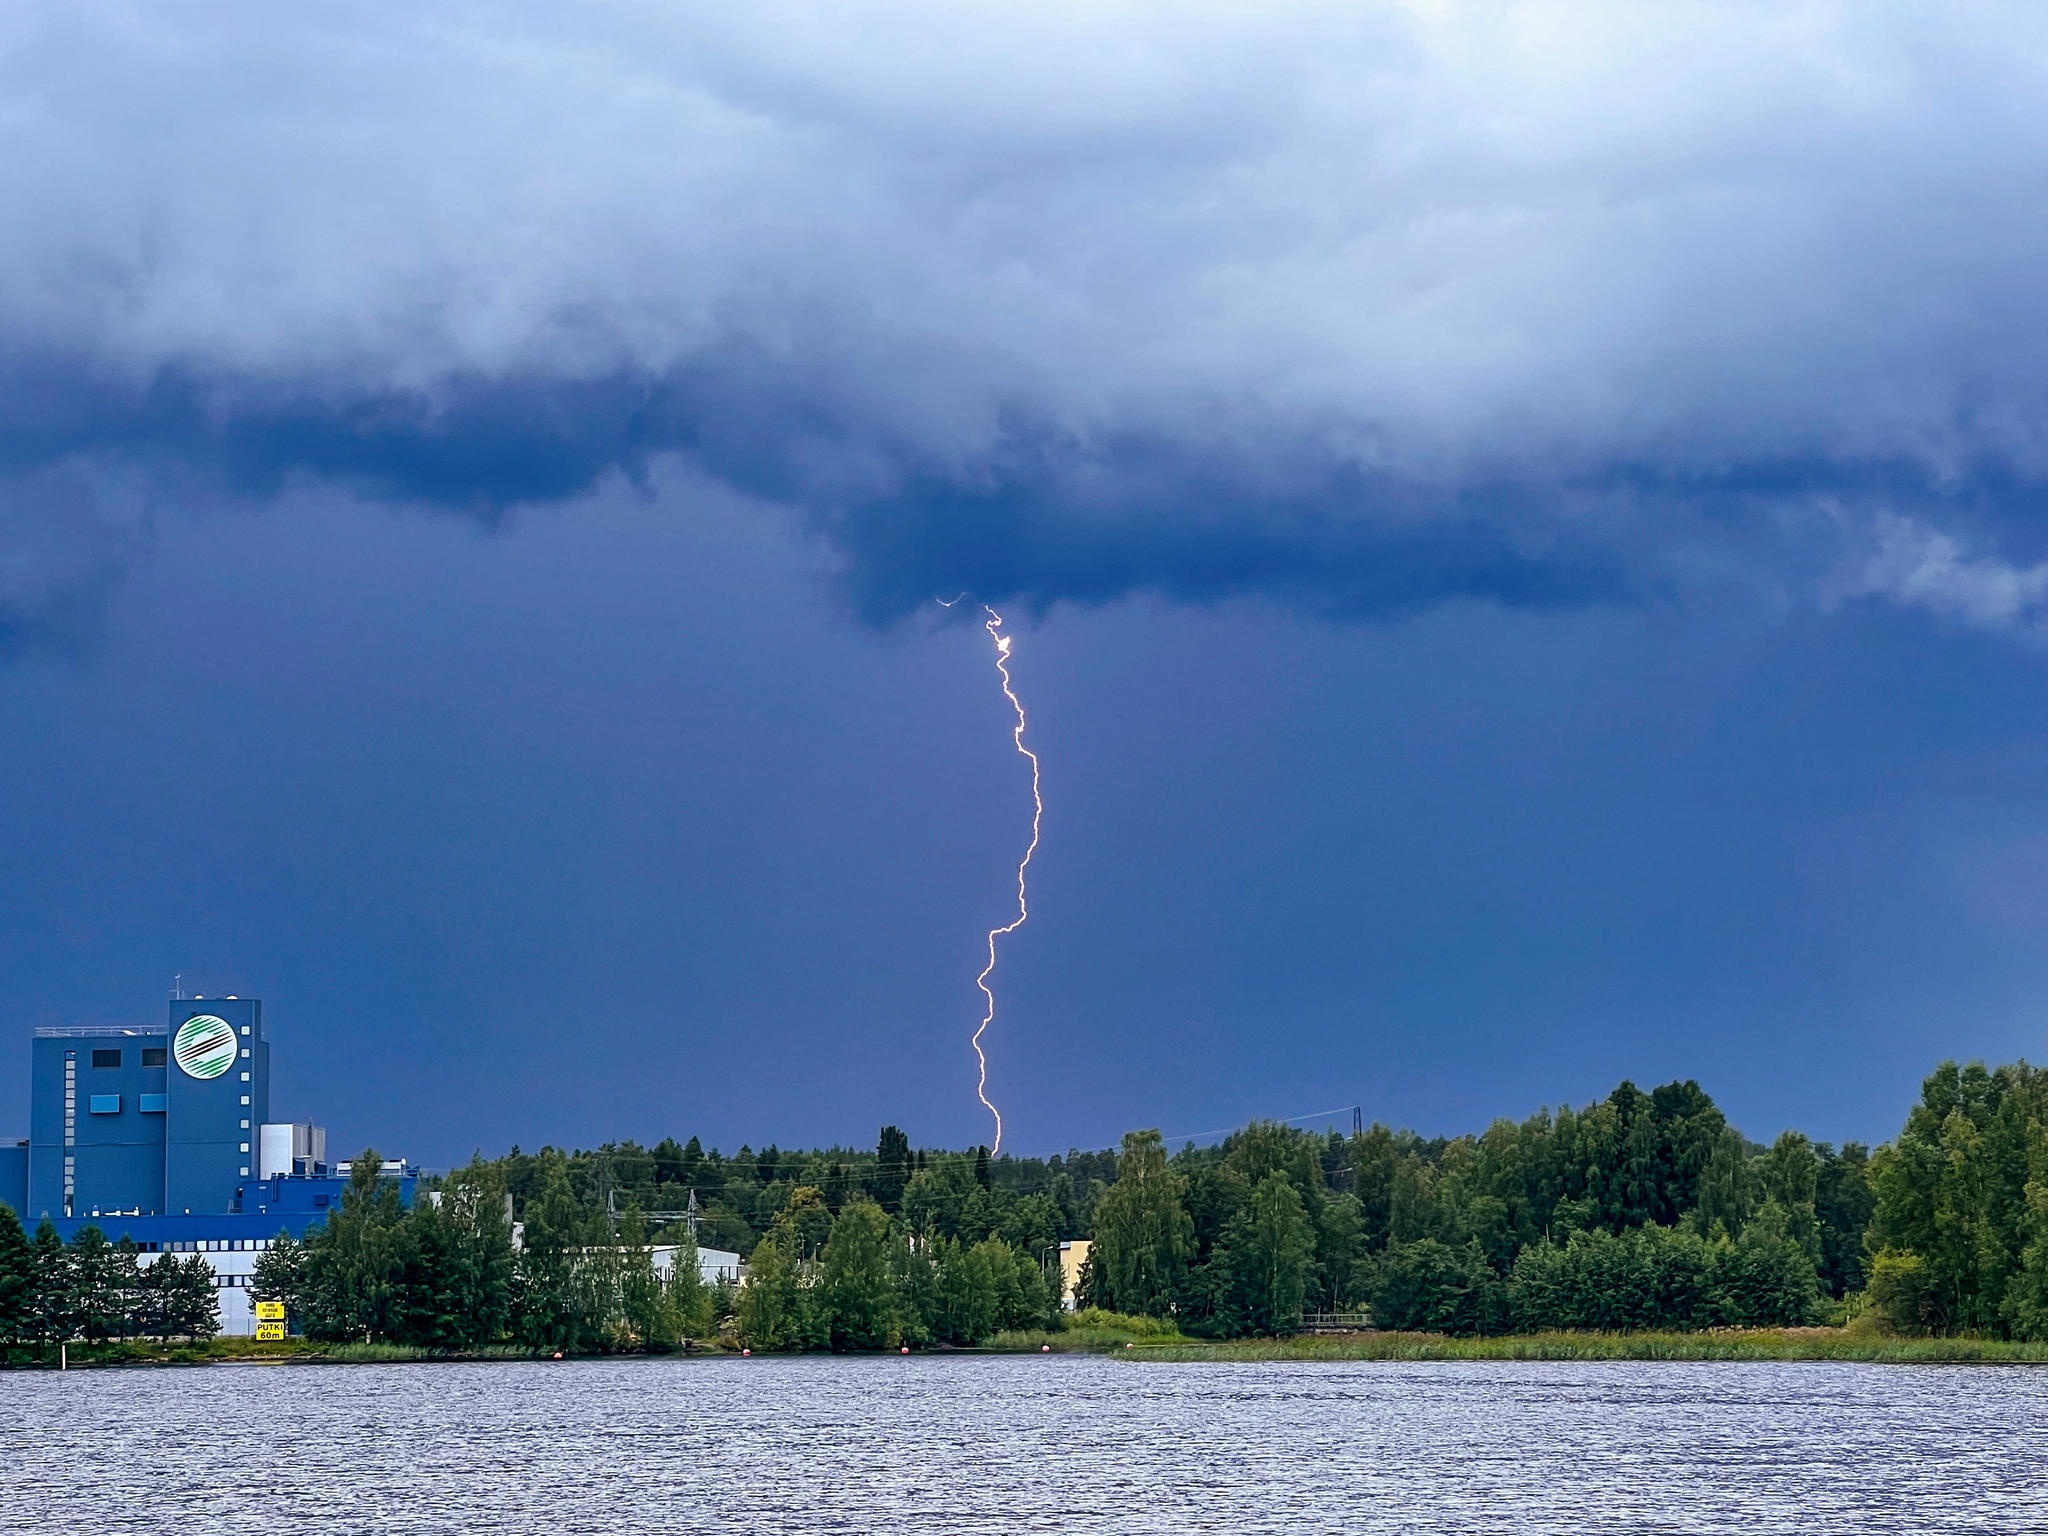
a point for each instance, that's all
(205, 1046)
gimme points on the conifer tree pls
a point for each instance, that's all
(892, 1168)
(281, 1275)
(17, 1281)
(191, 1297)
(98, 1289)
(53, 1314)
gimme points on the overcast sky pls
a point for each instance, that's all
(1520, 521)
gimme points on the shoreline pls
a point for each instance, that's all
(1790, 1345)
(1735, 1345)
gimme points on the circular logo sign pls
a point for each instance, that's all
(205, 1046)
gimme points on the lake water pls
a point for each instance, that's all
(1003, 1444)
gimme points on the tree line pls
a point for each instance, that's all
(1029, 1202)
(1959, 1232)
(447, 1274)
(53, 1292)
(1645, 1210)
(1642, 1210)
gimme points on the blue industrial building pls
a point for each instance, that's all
(164, 1136)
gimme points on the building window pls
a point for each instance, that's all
(245, 1145)
(104, 1104)
(106, 1058)
(245, 1097)
(153, 1103)
(154, 1055)
(245, 1077)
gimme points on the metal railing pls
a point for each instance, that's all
(94, 1031)
(1335, 1322)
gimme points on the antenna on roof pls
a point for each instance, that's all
(178, 987)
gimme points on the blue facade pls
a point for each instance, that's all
(156, 1134)
(148, 1131)
(147, 1121)
(87, 1125)
(272, 1206)
(210, 1142)
(14, 1175)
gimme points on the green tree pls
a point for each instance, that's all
(892, 1168)
(1843, 1202)
(936, 1199)
(1024, 1296)
(99, 1289)
(771, 1308)
(17, 1281)
(425, 1306)
(643, 1300)
(914, 1270)
(2025, 1305)
(354, 1263)
(1268, 1255)
(474, 1212)
(191, 1297)
(280, 1275)
(1901, 1293)
(690, 1299)
(1951, 1190)
(1429, 1286)
(855, 1293)
(149, 1301)
(552, 1302)
(1143, 1235)
(1789, 1175)
(1764, 1279)
(54, 1313)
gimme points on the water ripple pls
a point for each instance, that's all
(1035, 1444)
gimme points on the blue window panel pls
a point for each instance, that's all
(154, 1103)
(105, 1104)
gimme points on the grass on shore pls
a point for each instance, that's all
(1089, 1331)
(243, 1351)
(1717, 1344)
(1144, 1338)
(81, 1355)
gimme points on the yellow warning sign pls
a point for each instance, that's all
(269, 1311)
(270, 1330)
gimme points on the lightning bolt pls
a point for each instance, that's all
(994, 626)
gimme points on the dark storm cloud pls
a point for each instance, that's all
(61, 557)
(1367, 308)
